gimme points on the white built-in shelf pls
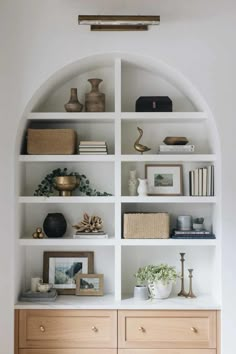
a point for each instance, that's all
(167, 242)
(167, 158)
(168, 199)
(66, 158)
(66, 200)
(164, 117)
(107, 302)
(99, 117)
(66, 242)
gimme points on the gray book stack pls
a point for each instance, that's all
(93, 148)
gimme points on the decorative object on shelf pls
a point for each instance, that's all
(51, 141)
(89, 284)
(184, 222)
(141, 292)
(66, 184)
(73, 105)
(176, 149)
(164, 179)
(153, 104)
(139, 147)
(182, 291)
(61, 268)
(55, 225)
(90, 224)
(146, 225)
(118, 22)
(93, 148)
(198, 224)
(193, 234)
(44, 287)
(175, 140)
(132, 183)
(142, 187)
(160, 279)
(95, 100)
(190, 293)
(34, 283)
(91, 235)
(29, 296)
(47, 185)
(38, 233)
(201, 182)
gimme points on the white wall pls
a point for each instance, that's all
(39, 37)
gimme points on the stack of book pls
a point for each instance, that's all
(192, 234)
(91, 235)
(93, 148)
(176, 149)
(201, 181)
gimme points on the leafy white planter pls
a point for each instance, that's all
(158, 290)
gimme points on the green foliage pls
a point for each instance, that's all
(153, 273)
(46, 186)
(198, 221)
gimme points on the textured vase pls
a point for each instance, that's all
(159, 290)
(142, 188)
(73, 105)
(55, 225)
(133, 183)
(141, 292)
(95, 100)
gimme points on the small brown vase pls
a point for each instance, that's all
(95, 100)
(73, 105)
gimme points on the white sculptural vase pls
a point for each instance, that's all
(143, 187)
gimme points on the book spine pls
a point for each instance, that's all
(200, 182)
(204, 181)
(196, 184)
(209, 181)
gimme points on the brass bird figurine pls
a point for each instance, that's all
(139, 147)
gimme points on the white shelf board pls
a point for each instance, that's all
(66, 200)
(167, 157)
(67, 158)
(168, 242)
(66, 302)
(164, 117)
(99, 117)
(170, 199)
(66, 242)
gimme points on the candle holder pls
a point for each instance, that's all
(182, 291)
(190, 293)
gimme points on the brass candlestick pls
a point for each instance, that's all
(182, 291)
(190, 293)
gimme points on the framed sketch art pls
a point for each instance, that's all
(164, 179)
(61, 268)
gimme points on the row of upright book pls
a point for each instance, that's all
(93, 148)
(201, 181)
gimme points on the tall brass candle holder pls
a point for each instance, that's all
(190, 293)
(182, 291)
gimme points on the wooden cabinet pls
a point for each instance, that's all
(71, 351)
(164, 351)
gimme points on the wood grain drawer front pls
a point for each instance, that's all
(70, 351)
(164, 351)
(67, 329)
(167, 329)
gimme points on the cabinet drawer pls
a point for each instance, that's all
(70, 351)
(167, 329)
(165, 351)
(67, 329)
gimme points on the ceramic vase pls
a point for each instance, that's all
(133, 183)
(55, 225)
(160, 290)
(141, 292)
(95, 100)
(143, 187)
(73, 105)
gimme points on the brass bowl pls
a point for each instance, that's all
(66, 184)
(175, 140)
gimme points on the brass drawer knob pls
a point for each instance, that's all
(42, 329)
(194, 329)
(141, 329)
(94, 329)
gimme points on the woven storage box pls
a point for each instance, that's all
(51, 141)
(146, 225)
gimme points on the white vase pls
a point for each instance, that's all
(133, 183)
(143, 187)
(160, 290)
(141, 292)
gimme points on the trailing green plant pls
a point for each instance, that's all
(153, 273)
(198, 221)
(46, 186)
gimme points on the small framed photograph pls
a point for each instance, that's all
(89, 284)
(61, 269)
(164, 179)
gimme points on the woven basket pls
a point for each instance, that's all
(146, 225)
(51, 141)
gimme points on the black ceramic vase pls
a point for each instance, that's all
(54, 225)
